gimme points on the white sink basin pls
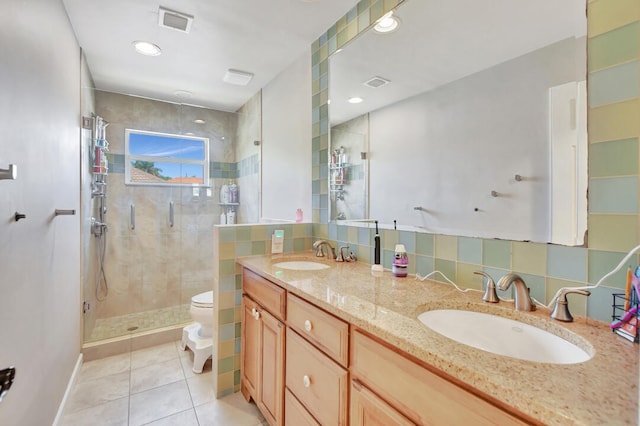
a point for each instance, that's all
(503, 336)
(301, 265)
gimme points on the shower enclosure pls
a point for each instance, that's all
(159, 248)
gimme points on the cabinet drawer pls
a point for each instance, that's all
(270, 296)
(318, 382)
(327, 332)
(419, 394)
(295, 414)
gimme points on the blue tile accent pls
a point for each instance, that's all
(614, 84)
(569, 263)
(408, 238)
(599, 304)
(470, 250)
(364, 236)
(613, 195)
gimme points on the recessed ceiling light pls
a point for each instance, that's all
(199, 121)
(387, 24)
(355, 100)
(237, 77)
(146, 48)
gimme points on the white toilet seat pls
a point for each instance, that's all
(203, 300)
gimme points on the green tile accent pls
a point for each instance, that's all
(243, 248)
(352, 235)
(236, 377)
(299, 244)
(238, 330)
(470, 250)
(446, 247)
(613, 195)
(602, 262)
(258, 248)
(613, 232)
(227, 267)
(226, 316)
(243, 233)
(614, 47)
(496, 253)
(227, 234)
(577, 303)
(615, 158)
(567, 262)
(529, 258)
(425, 244)
(447, 267)
(225, 365)
(342, 233)
(599, 303)
(364, 254)
(424, 265)
(614, 84)
(466, 276)
(389, 239)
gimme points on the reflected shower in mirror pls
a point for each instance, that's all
(473, 118)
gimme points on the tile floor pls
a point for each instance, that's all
(153, 386)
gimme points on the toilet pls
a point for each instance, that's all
(199, 336)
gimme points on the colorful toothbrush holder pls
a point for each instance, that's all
(400, 261)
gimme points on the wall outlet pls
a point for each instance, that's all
(86, 307)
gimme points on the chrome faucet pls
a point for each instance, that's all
(318, 247)
(490, 294)
(561, 307)
(522, 299)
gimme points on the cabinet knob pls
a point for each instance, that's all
(255, 313)
(306, 381)
(307, 325)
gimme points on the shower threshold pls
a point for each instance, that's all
(138, 322)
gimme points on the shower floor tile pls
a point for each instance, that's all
(107, 328)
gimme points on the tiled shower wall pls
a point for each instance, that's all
(156, 266)
(614, 128)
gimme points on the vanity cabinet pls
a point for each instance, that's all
(389, 385)
(263, 345)
(304, 366)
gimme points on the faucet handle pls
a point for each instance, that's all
(340, 256)
(561, 308)
(490, 294)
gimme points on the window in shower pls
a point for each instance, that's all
(164, 159)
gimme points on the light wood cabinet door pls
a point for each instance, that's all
(271, 387)
(367, 409)
(295, 414)
(421, 395)
(319, 383)
(250, 349)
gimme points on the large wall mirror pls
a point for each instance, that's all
(472, 121)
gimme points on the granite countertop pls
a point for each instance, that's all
(603, 390)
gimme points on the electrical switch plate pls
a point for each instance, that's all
(277, 241)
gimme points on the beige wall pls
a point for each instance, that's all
(40, 301)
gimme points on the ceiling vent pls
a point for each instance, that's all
(376, 82)
(237, 77)
(174, 20)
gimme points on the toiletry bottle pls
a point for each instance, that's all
(224, 194)
(299, 215)
(223, 218)
(233, 192)
(400, 261)
(231, 217)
